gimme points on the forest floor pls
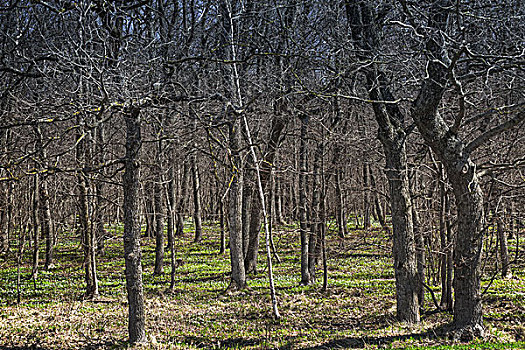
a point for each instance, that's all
(356, 311)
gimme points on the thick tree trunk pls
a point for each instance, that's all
(405, 264)
(468, 317)
(132, 252)
(238, 277)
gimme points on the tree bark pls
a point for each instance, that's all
(86, 231)
(392, 135)
(247, 200)
(366, 198)
(159, 213)
(170, 197)
(132, 252)
(197, 218)
(405, 263)
(100, 233)
(504, 248)
(179, 225)
(279, 122)
(303, 225)
(36, 225)
(461, 171)
(45, 222)
(238, 277)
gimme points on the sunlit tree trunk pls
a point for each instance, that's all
(132, 251)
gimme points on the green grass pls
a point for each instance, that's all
(357, 310)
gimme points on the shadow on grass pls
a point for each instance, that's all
(235, 343)
(362, 342)
(101, 345)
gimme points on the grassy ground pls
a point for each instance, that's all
(357, 310)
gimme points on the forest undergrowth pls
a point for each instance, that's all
(356, 311)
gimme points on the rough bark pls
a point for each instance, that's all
(405, 263)
(392, 135)
(132, 251)
(238, 277)
(461, 171)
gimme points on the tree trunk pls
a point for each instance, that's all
(45, 222)
(222, 243)
(159, 216)
(405, 263)
(238, 277)
(504, 248)
(366, 198)
(469, 241)
(36, 225)
(86, 231)
(150, 210)
(171, 211)
(278, 123)
(132, 252)
(182, 200)
(100, 233)
(377, 204)
(420, 256)
(197, 218)
(247, 200)
(314, 243)
(303, 225)
(279, 199)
